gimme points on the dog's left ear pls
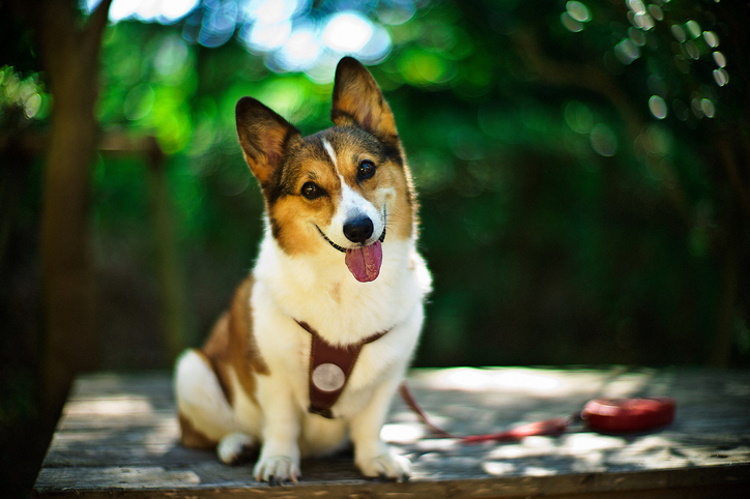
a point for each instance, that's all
(357, 99)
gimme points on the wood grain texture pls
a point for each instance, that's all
(118, 435)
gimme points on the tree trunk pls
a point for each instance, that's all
(70, 55)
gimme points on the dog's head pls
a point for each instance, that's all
(339, 190)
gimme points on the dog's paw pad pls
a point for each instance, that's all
(390, 465)
(276, 470)
(235, 448)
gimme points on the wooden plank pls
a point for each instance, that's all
(118, 435)
(724, 482)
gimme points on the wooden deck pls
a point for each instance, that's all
(118, 437)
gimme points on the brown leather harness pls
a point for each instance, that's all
(330, 367)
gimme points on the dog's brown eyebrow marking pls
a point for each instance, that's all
(316, 150)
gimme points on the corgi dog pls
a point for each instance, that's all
(317, 339)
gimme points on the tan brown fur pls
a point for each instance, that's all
(391, 174)
(362, 104)
(191, 437)
(231, 345)
(294, 213)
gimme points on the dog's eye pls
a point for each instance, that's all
(366, 170)
(310, 190)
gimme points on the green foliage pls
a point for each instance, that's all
(568, 211)
(22, 98)
(573, 161)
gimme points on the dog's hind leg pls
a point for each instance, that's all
(206, 417)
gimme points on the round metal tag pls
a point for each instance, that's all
(328, 377)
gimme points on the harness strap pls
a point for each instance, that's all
(330, 367)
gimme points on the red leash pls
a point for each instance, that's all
(604, 415)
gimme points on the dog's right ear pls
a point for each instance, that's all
(264, 136)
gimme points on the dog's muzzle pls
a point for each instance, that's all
(363, 261)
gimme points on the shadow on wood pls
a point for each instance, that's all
(118, 435)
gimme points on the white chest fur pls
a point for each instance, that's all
(343, 311)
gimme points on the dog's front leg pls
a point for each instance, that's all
(279, 455)
(371, 455)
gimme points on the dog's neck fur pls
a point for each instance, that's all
(307, 287)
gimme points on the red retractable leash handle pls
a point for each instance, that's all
(623, 415)
(628, 414)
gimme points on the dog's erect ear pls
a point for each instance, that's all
(264, 136)
(357, 99)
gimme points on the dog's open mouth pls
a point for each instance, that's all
(364, 261)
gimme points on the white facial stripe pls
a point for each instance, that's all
(351, 201)
(352, 205)
(331, 154)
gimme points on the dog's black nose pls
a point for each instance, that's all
(358, 230)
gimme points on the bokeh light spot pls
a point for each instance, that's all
(423, 68)
(708, 108)
(711, 38)
(643, 21)
(269, 12)
(691, 50)
(301, 51)
(721, 76)
(347, 32)
(697, 107)
(397, 14)
(139, 102)
(31, 104)
(656, 12)
(570, 23)
(603, 140)
(284, 95)
(172, 10)
(260, 37)
(578, 11)
(678, 32)
(219, 21)
(638, 36)
(579, 117)
(658, 107)
(693, 28)
(720, 59)
(627, 51)
(171, 56)
(636, 6)
(161, 11)
(287, 32)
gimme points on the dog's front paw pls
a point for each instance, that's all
(276, 470)
(389, 465)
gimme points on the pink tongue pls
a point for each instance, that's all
(364, 263)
